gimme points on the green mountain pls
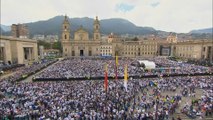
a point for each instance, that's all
(115, 25)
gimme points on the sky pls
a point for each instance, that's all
(169, 15)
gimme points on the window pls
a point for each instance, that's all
(65, 37)
(73, 53)
(90, 53)
(139, 53)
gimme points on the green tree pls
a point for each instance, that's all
(45, 44)
(57, 45)
(135, 39)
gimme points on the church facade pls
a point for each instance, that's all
(81, 45)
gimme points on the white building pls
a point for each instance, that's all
(106, 50)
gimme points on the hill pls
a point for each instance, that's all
(115, 25)
(5, 28)
(206, 30)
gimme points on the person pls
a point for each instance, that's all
(178, 118)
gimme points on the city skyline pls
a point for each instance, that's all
(176, 16)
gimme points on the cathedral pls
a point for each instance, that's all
(81, 44)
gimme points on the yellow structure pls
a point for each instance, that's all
(17, 50)
(82, 45)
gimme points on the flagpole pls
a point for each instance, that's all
(116, 72)
(106, 78)
(116, 66)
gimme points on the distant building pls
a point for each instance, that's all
(38, 37)
(106, 50)
(52, 38)
(47, 38)
(18, 50)
(19, 31)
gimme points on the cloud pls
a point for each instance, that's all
(155, 4)
(168, 15)
(124, 7)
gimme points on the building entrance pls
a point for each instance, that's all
(81, 52)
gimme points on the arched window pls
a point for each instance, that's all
(65, 37)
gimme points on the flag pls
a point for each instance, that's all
(116, 60)
(151, 83)
(125, 77)
(106, 78)
(116, 66)
(155, 84)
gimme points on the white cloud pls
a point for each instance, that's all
(168, 15)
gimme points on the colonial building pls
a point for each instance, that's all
(194, 49)
(82, 45)
(17, 50)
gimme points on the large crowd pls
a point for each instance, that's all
(88, 100)
(23, 71)
(144, 99)
(75, 68)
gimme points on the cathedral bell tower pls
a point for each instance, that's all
(65, 30)
(96, 29)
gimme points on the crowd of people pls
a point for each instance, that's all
(21, 72)
(75, 68)
(144, 99)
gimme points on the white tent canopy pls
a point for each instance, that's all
(148, 64)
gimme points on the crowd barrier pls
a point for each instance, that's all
(119, 77)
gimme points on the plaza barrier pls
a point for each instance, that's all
(119, 77)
